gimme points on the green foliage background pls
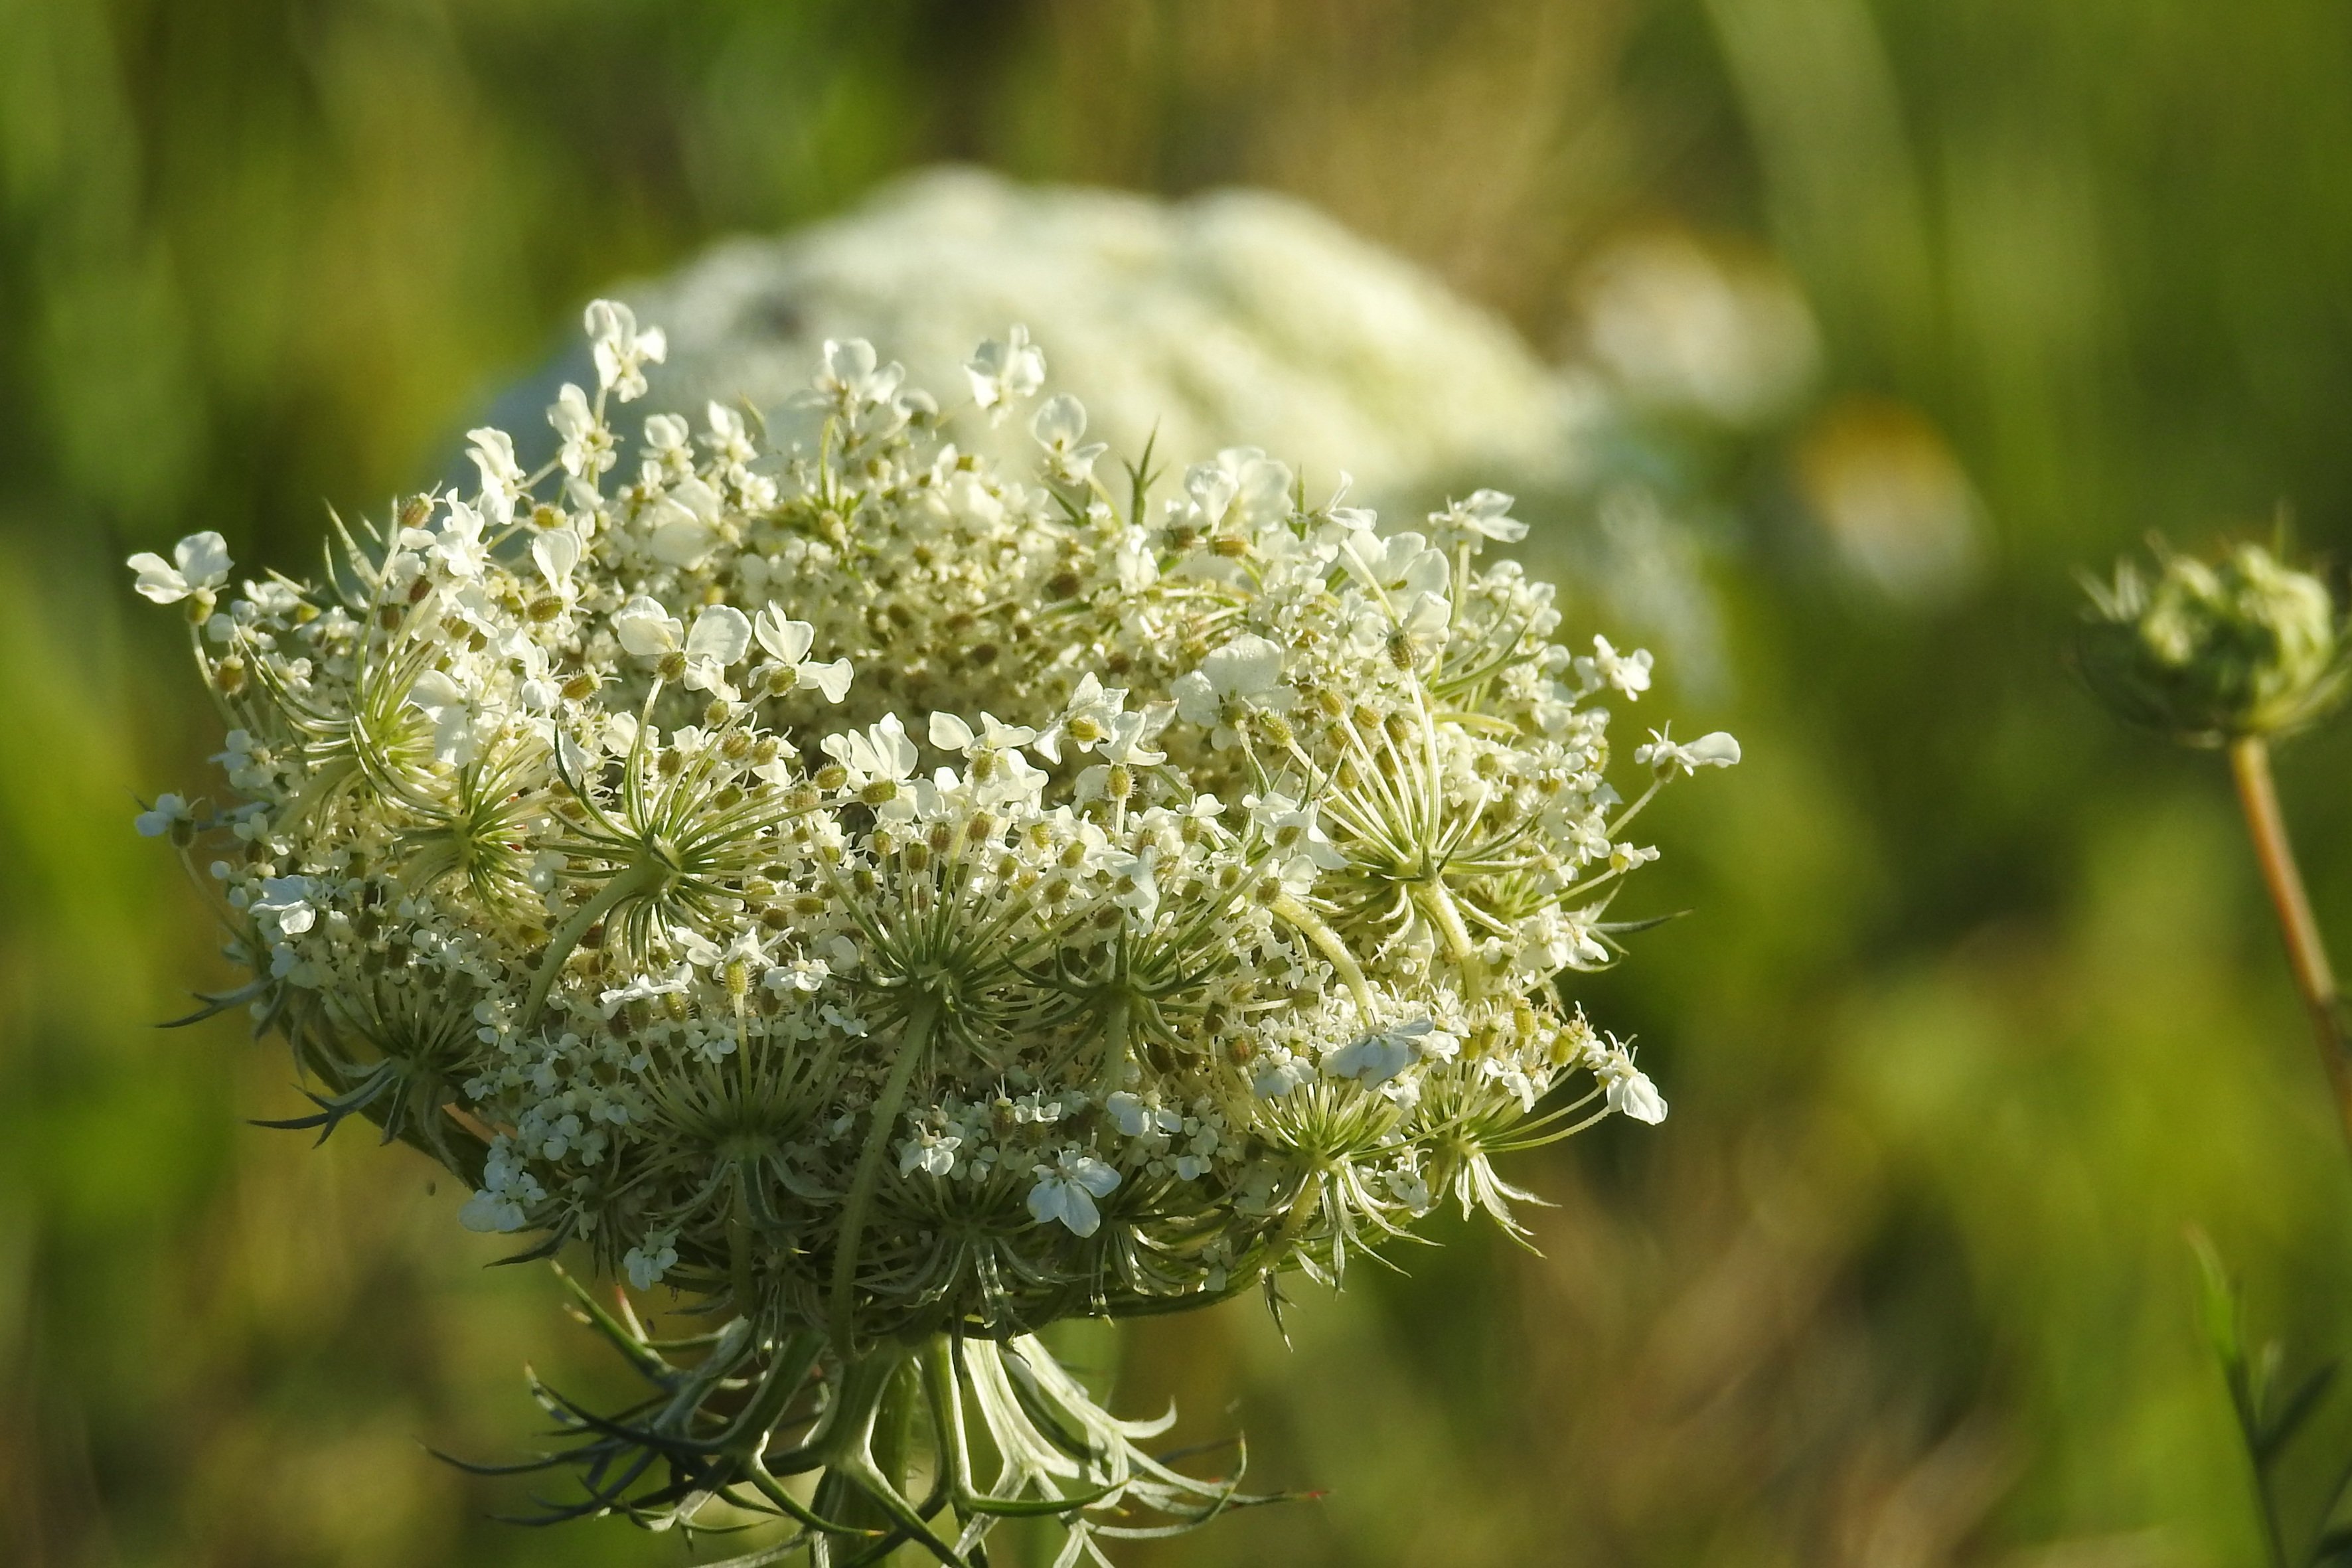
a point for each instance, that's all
(1979, 1008)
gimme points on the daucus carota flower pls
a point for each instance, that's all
(199, 564)
(899, 900)
(2234, 653)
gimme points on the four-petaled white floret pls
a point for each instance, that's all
(1066, 1190)
(199, 564)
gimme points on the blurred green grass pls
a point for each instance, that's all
(1978, 1008)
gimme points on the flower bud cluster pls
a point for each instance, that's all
(893, 890)
(2213, 652)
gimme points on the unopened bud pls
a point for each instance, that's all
(2208, 653)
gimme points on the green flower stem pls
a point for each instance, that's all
(892, 1446)
(1438, 905)
(914, 1038)
(943, 1393)
(1112, 1071)
(740, 1272)
(877, 1392)
(644, 877)
(789, 1366)
(1327, 941)
(2315, 977)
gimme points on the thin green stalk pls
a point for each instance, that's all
(914, 1038)
(1327, 941)
(1439, 906)
(2315, 977)
(1112, 1070)
(642, 878)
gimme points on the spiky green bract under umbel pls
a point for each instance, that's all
(897, 903)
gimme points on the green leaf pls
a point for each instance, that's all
(2279, 1429)
(2218, 1295)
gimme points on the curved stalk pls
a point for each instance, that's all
(1438, 905)
(914, 1038)
(644, 877)
(2306, 953)
(1327, 941)
(875, 1399)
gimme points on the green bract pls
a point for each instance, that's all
(900, 903)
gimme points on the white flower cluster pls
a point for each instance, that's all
(898, 892)
(1232, 315)
(1239, 317)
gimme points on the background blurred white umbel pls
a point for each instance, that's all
(1229, 317)
(1236, 315)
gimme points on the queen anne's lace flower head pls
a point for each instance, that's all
(906, 900)
(2210, 652)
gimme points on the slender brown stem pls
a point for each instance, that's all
(2250, 765)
